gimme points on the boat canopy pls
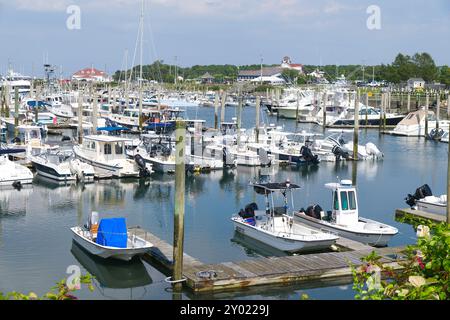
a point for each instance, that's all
(112, 232)
(264, 188)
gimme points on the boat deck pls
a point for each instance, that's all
(322, 267)
(408, 212)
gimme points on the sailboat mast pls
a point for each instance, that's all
(140, 67)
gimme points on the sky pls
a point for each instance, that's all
(190, 32)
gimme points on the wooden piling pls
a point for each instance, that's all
(141, 119)
(356, 127)
(94, 114)
(297, 109)
(448, 106)
(216, 110)
(381, 113)
(427, 101)
(222, 108)
(367, 106)
(178, 232)
(438, 107)
(258, 106)
(448, 184)
(324, 116)
(36, 107)
(16, 111)
(239, 120)
(409, 102)
(80, 117)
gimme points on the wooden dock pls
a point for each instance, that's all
(321, 267)
(411, 213)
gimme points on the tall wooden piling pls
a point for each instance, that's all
(141, 119)
(16, 111)
(324, 110)
(36, 106)
(258, 106)
(80, 117)
(178, 231)
(367, 106)
(356, 127)
(239, 120)
(94, 114)
(216, 110)
(297, 109)
(381, 113)
(448, 106)
(427, 101)
(409, 102)
(222, 108)
(448, 184)
(438, 107)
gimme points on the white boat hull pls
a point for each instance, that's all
(125, 254)
(373, 238)
(437, 208)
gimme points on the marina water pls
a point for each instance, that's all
(36, 243)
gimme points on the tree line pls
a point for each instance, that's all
(404, 67)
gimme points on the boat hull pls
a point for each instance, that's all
(369, 238)
(281, 243)
(436, 208)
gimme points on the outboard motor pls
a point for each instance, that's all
(15, 140)
(17, 185)
(436, 134)
(65, 138)
(372, 149)
(308, 155)
(339, 153)
(421, 192)
(314, 211)
(248, 211)
(264, 158)
(143, 171)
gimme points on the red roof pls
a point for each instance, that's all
(89, 72)
(295, 65)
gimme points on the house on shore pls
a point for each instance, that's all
(91, 75)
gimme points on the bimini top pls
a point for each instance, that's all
(263, 188)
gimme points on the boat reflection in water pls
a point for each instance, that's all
(111, 273)
(14, 202)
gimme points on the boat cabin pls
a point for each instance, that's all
(345, 203)
(105, 147)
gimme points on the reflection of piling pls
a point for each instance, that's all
(356, 129)
(258, 106)
(178, 232)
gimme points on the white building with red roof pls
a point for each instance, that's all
(91, 74)
(287, 64)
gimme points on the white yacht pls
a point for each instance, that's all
(344, 218)
(57, 106)
(107, 155)
(414, 124)
(275, 226)
(367, 116)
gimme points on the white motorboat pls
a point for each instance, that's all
(334, 148)
(58, 107)
(11, 173)
(62, 166)
(413, 125)
(344, 219)
(107, 155)
(109, 238)
(424, 200)
(275, 226)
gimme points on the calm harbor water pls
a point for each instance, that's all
(36, 243)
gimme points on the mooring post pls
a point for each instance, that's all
(239, 120)
(36, 106)
(409, 102)
(356, 127)
(367, 106)
(258, 106)
(296, 110)
(16, 111)
(80, 117)
(427, 101)
(216, 110)
(381, 113)
(94, 113)
(324, 116)
(222, 108)
(178, 231)
(386, 107)
(438, 107)
(448, 106)
(448, 184)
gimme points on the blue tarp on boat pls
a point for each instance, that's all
(112, 232)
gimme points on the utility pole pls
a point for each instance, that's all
(178, 232)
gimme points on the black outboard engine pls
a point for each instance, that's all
(339, 153)
(314, 211)
(65, 138)
(15, 140)
(248, 211)
(143, 171)
(421, 192)
(436, 134)
(17, 185)
(308, 155)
